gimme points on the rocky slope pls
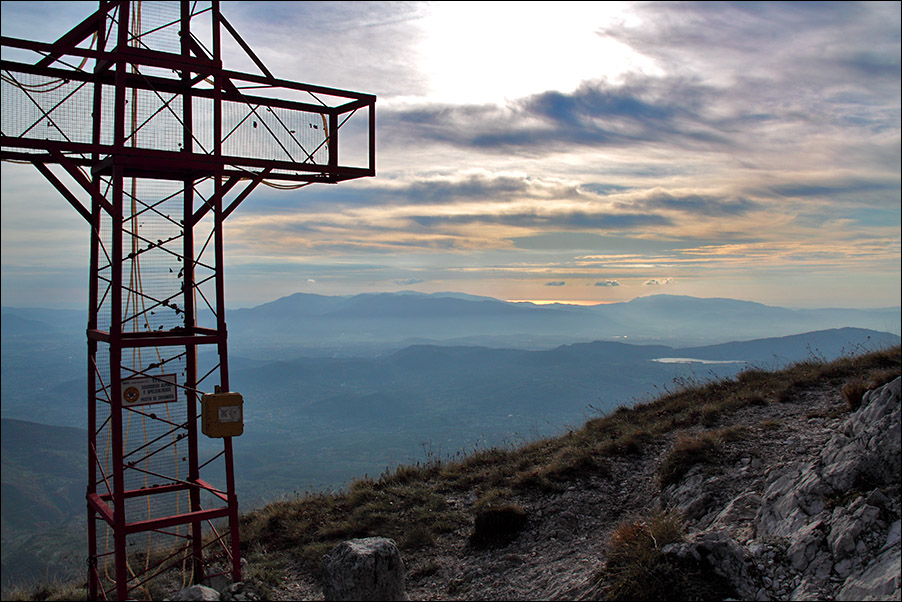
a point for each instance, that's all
(801, 503)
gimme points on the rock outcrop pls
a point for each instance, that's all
(827, 528)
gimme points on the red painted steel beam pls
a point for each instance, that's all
(61, 188)
(244, 46)
(302, 87)
(205, 208)
(86, 184)
(244, 193)
(101, 507)
(69, 40)
(155, 339)
(140, 162)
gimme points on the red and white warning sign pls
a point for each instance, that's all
(143, 390)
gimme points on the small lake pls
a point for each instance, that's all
(690, 360)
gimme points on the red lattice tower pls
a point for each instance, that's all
(140, 128)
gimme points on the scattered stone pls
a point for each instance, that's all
(196, 593)
(218, 578)
(240, 592)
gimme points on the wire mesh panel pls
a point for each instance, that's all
(46, 107)
(156, 25)
(274, 133)
(153, 236)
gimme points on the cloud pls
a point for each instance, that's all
(548, 219)
(597, 114)
(658, 282)
(608, 283)
(841, 189)
(695, 204)
(680, 38)
(452, 186)
(555, 283)
(408, 281)
(717, 105)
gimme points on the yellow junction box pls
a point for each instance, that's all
(222, 414)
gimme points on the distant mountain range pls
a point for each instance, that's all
(43, 351)
(350, 324)
(400, 319)
(339, 387)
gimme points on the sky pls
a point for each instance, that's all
(587, 152)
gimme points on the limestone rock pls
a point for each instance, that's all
(848, 525)
(721, 554)
(832, 511)
(893, 537)
(870, 444)
(806, 590)
(807, 545)
(364, 569)
(738, 516)
(881, 580)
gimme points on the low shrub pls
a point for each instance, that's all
(497, 525)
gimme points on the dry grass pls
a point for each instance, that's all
(689, 450)
(638, 569)
(853, 391)
(50, 589)
(403, 505)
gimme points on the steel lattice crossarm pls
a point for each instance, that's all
(242, 125)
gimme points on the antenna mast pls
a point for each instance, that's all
(137, 124)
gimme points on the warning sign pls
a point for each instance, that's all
(143, 390)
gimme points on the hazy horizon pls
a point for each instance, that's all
(580, 303)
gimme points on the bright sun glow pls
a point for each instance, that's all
(477, 52)
(562, 301)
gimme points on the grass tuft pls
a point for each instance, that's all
(638, 569)
(853, 391)
(689, 450)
